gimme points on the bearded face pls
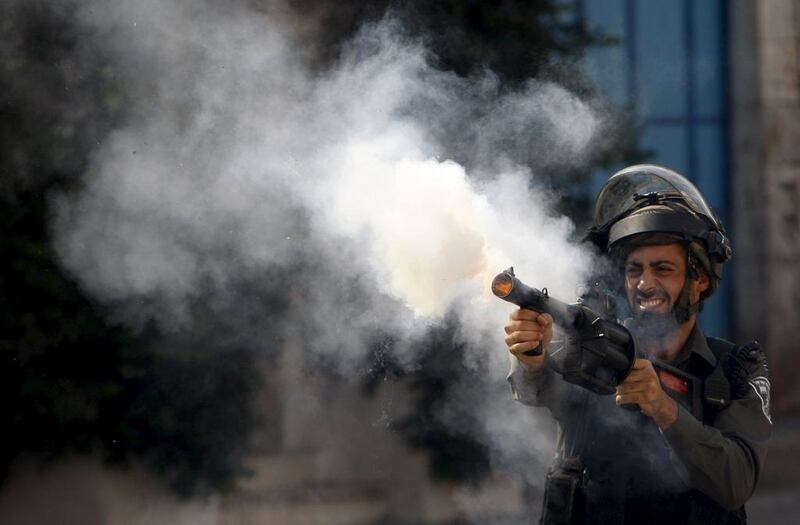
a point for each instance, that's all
(654, 279)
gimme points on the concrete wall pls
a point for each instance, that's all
(83, 492)
(765, 146)
(329, 457)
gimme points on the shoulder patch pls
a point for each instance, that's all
(761, 387)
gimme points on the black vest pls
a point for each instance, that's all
(629, 476)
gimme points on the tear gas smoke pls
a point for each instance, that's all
(232, 137)
(238, 157)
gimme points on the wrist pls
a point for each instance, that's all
(531, 366)
(667, 414)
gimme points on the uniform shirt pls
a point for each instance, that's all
(647, 475)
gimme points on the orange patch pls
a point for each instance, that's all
(673, 382)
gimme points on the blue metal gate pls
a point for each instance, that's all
(670, 69)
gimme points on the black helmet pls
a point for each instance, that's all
(649, 199)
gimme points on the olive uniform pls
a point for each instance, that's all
(695, 471)
(615, 465)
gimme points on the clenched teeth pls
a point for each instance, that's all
(650, 303)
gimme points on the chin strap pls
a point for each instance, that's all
(684, 309)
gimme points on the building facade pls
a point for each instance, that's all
(715, 86)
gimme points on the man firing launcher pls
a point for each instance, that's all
(660, 463)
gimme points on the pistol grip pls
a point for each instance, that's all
(535, 351)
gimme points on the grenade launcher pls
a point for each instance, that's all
(597, 353)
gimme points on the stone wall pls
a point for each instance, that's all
(765, 146)
(83, 492)
(328, 457)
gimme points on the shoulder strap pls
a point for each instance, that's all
(716, 387)
(720, 347)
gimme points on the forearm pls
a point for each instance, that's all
(721, 466)
(543, 388)
(529, 387)
(666, 416)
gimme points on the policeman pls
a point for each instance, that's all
(663, 462)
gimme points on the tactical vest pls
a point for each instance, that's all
(703, 508)
(570, 488)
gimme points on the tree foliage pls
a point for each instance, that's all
(516, 40)
(71, 381)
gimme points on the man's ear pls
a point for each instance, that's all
(702, 280)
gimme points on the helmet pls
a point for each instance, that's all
(649, 199)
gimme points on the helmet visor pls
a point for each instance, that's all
(623, 192)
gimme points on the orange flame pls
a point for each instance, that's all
(502, 285)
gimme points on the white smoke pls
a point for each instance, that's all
(234, 135)
(239, 155)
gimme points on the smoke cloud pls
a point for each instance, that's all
(234, 146)
(397, 190)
